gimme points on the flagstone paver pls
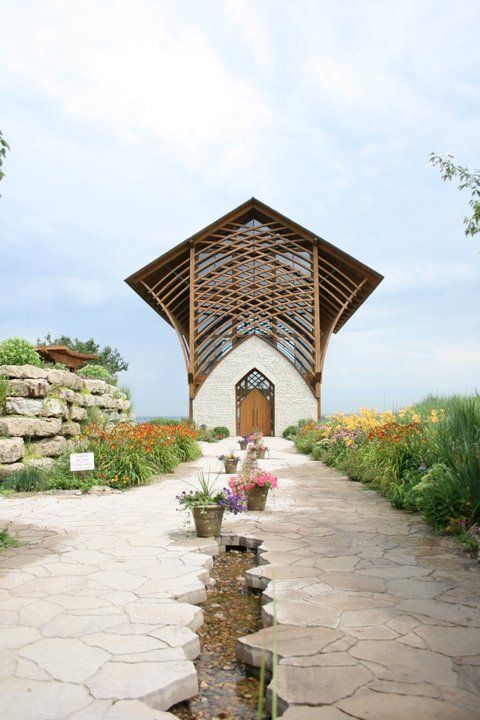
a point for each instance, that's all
(378, 618)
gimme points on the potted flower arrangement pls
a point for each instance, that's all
(245, 441)
(254, 485)
(230, 462)
(208, 503)
(260, 451)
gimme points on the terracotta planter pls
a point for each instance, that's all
(231, 466)
(208, 520)
(257, 497)
(243, 444)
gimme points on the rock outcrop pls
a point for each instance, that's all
(45, 408)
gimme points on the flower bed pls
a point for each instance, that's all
(425, 458)
(126, 456)
(133, 454)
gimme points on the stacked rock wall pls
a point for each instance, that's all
(44, 409)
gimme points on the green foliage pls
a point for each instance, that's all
(108, 357)
(33, 479)
(3, 391)
(7, 540)
(167, 421)
(450, 490)
(212, 435)
(206, 494)
(424, 459)
(290, 432)
(468, 180)
(97, 372)
(126, 391)
(16, 351)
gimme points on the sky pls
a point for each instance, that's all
(133, 124)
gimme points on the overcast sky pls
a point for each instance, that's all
(134, 124)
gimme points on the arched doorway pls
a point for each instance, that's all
(254, 395)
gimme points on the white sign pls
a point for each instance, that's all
(82, 461)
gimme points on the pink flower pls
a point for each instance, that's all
(261, 480)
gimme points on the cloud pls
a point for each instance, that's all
(134, 124)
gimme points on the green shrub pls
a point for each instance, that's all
(221, 432)
(7, 540)
(16, 351)
(167, 421)
(438, 497)
(34, 479)
(290, 432)
(97, 372)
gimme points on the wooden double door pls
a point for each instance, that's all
(255, 414)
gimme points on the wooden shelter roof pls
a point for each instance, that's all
(255, 272)
(338, 264)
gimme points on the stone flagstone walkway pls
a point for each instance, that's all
(379, 619)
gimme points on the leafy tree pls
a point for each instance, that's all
(4, 146)
(108, 357)
(469, 179)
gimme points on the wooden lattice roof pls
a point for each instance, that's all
(255, 272)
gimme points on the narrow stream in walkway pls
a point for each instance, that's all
(226, 693)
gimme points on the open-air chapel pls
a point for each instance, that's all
(254, 299)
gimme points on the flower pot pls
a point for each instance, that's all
(208, 520)
(243, 444)
(257, 497)
(231, 466)
(261, 454)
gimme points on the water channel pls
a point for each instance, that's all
(231, 611)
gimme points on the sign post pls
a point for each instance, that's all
(81, 462)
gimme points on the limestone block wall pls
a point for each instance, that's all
(44, 409)
(215, 401)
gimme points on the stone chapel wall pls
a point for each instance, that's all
(215, 401)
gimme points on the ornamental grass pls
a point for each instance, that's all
(425, 458)
(133, 454)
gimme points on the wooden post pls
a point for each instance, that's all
(191, 332)
(316, 333)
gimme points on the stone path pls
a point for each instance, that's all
(378, 618)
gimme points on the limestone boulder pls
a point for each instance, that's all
(7, 469)
(70, 428)
(29, 426)
(77, 413)
(41, 463)
(66, 394)
(83, 399)
(28, 388)
(11, 449)
(53, 408)
(104, 401)
(51, 447)
(23, 406)
(65, 379)
(23, 371)
(97, 387)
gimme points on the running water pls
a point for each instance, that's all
(230, 612)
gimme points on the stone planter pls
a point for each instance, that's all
(231, 466)
(243, 444)
(257, 497)
(208, 520)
